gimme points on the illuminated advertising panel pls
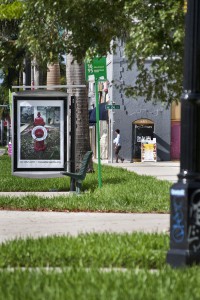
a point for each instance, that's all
(39, 133)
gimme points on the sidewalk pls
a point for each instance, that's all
(167, 170)
(22, 224)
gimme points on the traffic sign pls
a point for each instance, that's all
(112, 106)
(96, 67)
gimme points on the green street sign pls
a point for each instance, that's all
(112, 106)
(96, 67)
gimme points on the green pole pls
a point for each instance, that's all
(98, 132)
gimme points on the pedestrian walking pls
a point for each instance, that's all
(118, 146)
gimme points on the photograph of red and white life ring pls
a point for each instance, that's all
(39, 133)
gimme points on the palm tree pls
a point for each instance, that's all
(75, 75)
(53, 74)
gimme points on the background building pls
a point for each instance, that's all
(136, 119)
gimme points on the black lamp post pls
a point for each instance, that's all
(185, 194)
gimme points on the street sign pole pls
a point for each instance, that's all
(98, 132)
(111, 114)
(97, 68)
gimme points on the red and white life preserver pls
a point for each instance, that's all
(41, 128)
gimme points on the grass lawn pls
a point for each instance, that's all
(61, 268)
(122, 191)
(96, 285)
(92, 266)
(104, 250)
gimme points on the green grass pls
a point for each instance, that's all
(91, 250)
(8, 182)
(82, 275)
(122, 191)
(96, 285)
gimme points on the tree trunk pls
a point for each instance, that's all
(53, 75)
(75, 74)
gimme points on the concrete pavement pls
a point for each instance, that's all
(167, 170)
(39, 194)
(22, 224)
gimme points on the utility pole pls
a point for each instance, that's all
(185, 194)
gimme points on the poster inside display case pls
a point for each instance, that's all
(39, 133)
(148, 150)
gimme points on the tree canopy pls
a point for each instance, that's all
(11, 56)
(10, 10)
(156, 37)
(153, 32)
(72, 26)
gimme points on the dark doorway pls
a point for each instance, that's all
(142, 129)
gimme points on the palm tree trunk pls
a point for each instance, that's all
(75, 74)
(53, 75)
